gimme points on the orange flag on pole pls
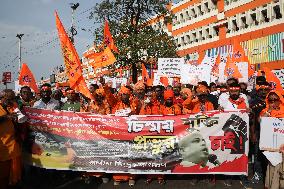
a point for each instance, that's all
(164, 81)
(215, 69)
(26, 78)
(108, 40)
(273, 80)
(104, 59)
(72, 61)
(231, 69)
(240, 56)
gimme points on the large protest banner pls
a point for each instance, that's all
(271, 133)
(211, 143)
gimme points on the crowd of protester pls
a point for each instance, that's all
(140, 99)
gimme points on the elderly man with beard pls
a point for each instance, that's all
(169, 107)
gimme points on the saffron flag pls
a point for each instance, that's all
(108, 40)
(215, 68)
(72, 61)
(273, 80)
(26, 78)
(164, 80)
(231, 69)
(104, 59)
(240, 56)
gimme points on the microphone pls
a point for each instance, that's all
(212, 158)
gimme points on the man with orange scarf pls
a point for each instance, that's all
(274, 108)
(235, 100)
(200, 102)
(10, 153)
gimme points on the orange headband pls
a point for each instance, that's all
(124, 90)
(234, 88)
(168, 94)
(45, 88)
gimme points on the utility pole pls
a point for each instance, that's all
(20, 50)
(73, 30)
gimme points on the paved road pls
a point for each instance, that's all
(57, 180)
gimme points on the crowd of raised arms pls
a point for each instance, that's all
(139, 99)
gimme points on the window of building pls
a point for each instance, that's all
(199, 12)
(205, 7)
(193, 13)
(254, 20)
(277, 12)
(188, 39)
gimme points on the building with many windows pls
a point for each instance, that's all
(211, 26)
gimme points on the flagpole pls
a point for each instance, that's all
(19, 36)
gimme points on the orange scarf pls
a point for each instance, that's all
(241, 104)
(208, 106)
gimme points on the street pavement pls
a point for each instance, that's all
(63, 180)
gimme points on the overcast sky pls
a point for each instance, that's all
(40, 47)
(35, 18)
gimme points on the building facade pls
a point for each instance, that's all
(210, 26)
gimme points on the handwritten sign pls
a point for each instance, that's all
(170, 67)
(271, 133)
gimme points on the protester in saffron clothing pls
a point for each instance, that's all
(100, 104)
(46, 102)
(274, 108)
(10, 153)
(186, 94)
(177, 89)
(200, 102)
(71, 104)
(169, 107)
(151, 105)
(123, 102)
(139, 94)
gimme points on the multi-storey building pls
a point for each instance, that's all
(211, 26)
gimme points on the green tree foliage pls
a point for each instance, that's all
(136, 40)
